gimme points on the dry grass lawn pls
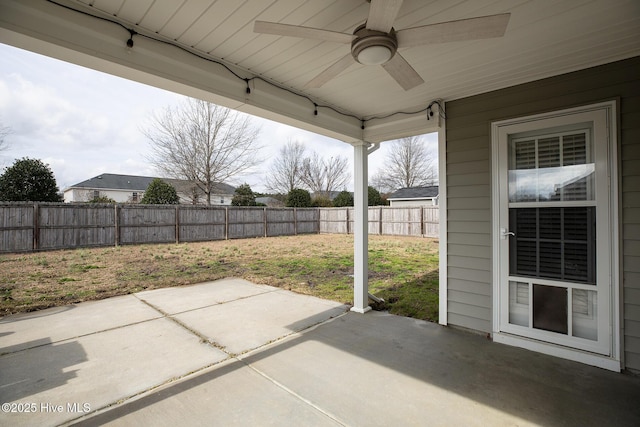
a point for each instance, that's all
(403, 270)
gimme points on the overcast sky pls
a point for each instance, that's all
(83, 122)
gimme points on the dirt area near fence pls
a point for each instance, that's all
(403, 270)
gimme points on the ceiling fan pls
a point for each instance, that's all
(376, 42)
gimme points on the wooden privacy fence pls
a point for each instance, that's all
(419, 221)
(26, 227)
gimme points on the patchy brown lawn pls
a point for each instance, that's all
(403, 270)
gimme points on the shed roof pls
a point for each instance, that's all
(415, 193)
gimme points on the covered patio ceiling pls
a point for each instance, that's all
(209, 49)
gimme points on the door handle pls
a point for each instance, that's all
(504, 233)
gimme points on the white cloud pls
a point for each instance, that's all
(80, 121)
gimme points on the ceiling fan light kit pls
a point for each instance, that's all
(373, 47)
(374, 55)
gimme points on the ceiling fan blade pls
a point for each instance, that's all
(484, 27)
(382, 14)
(331, 72)
(277, 29)
(402, 72)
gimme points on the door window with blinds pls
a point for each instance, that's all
(552, 216)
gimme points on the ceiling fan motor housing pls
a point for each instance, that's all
(373, 47)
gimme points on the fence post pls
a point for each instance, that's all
(346, 215)
(380, 222)
(226, 223)
(295, 221)
(116, 224)
(177, 224)
(422, 227)
(265, 221)
(36, 226)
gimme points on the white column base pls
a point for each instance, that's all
(361, 310)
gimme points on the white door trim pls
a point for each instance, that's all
(612, 362)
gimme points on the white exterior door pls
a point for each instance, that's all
(553, 234)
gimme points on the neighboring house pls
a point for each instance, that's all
(414, 196)
(191, 195)
(131, 188)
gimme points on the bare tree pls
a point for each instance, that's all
(312, 173)
(203, 143)
(337, 174)
(4, 132)
(322, 176)
(285, 171)
(409, 164)
(380, 182)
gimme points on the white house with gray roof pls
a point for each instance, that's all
(414, 196)
(131, 188)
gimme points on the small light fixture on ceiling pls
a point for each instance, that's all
(130, 41)
(373, 47)
(374, 55)
(430, 111)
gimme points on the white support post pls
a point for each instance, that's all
(361, 230)
(442, 217)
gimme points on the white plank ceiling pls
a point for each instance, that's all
(543, 38)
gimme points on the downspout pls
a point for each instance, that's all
(373, 146)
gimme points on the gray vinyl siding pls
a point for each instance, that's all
(630, 189)
(468, 157)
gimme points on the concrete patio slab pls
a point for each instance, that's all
(381, 369)
(228, 394)
(348, 369)
(98, 370)
(60, 323)
(259, 319)
(185, 298)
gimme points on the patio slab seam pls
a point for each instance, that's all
(280, 385)
(202, 338)
(239, 298)
(291, 392)
(82, 336)
(283, 338)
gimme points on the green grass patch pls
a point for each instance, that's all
(402, 270)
